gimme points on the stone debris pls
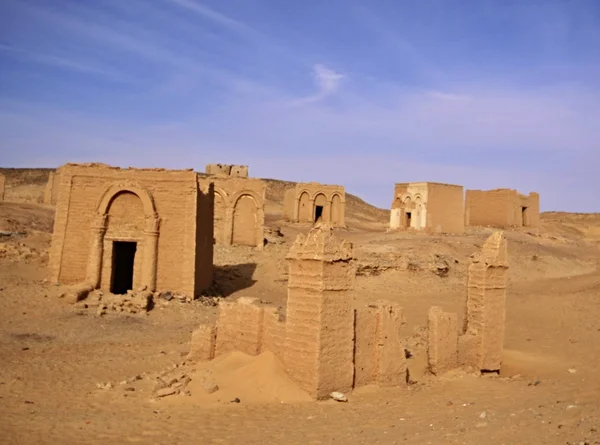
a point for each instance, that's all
(338, 396)
(210, 387)
(164, 392)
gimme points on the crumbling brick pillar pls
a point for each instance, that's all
(482, 343)
(151, 251)
(319, 339)
(94, 267)
(48, 189)
(2, 185)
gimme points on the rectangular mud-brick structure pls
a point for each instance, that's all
(227, 170)
(319, 338)
(2, 185)
(311, 202)
(120, 229)
(239, 210)
(482, 342)
(428, 206)
(502, 208)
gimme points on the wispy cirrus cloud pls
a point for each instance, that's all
(211, 14)
(365, 95)
(327, 82)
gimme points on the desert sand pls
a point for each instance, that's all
(69, 376)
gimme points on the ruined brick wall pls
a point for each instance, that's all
(488, 208)
(239, 214)
(445, 208)
(379, 356)
(305, 200)
(501, 208)
(52, 187)
(25, 185)
(157, 209)
(2, 183)
(479, 345)
(224, 170)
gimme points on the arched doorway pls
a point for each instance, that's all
(219, 218)
(304, 208)
(336, 209)
(319, 212)
(407, 213)
(245, 218)
(123, 243)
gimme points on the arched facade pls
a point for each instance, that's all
(124, 233)
(312, 202)
(239, 211)
(131, 229)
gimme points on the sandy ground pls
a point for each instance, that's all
(54, 355)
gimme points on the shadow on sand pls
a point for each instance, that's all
(234, 277)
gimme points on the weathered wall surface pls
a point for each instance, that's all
(25, 185)
(52, 187)
(379, 356)
(479, 345)
(445, 208)
(157, 209)
(301, 202)
(502, 208)
(234, 171)
(239, 209)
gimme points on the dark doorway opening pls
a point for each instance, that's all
(318, 212)
(408, 219)
(524, 221)
(122, 266)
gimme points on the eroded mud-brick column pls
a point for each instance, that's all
(319, 337)
(482, 343)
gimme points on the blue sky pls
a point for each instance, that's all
(483, 93)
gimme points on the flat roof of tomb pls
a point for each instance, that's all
(428, 182)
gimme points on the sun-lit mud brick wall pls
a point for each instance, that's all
(2, 183)
(52, 187)
(442, 340)
(239, 210)
(379, 356)
(311, 202)
(319, 332)
(502, 208)
(428, 206)
(227, 170)
(240, 327)
(479, 345)
(483, 340)
(324, 343)
(132, 228)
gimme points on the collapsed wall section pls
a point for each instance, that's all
(479, 345)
